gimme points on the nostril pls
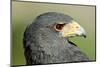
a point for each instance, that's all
(77, 27)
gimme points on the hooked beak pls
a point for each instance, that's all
(81, 32)
(73, 29)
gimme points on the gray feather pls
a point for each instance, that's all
(43, 45)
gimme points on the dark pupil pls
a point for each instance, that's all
(60, 26)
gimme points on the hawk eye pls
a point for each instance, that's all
(59, 27)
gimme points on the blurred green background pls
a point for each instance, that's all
(23, 13)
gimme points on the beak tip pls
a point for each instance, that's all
(84, 36)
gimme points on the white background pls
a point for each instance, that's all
(5, 33)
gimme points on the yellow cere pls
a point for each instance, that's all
(70, 29)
